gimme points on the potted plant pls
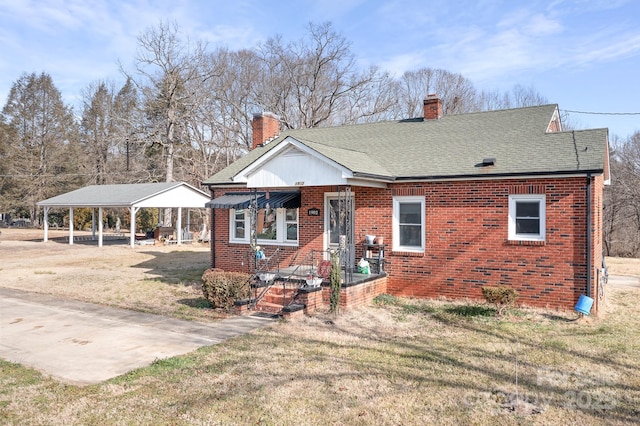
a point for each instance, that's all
(313, 280)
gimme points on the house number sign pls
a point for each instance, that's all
(313, 212)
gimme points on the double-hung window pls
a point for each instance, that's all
(527, 217)
(409, 223)
(273, 226)
(238, 225)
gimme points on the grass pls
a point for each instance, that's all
(400, 361)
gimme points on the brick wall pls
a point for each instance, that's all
(238, 257)
(466, 239)
(467, 246)
(358, 295)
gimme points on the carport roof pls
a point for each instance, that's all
(163, 194)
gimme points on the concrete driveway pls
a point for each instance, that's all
(622, 281)
(83, 343)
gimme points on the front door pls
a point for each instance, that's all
(339, 224)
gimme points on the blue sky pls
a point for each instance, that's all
(581, 54)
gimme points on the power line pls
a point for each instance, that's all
(600, 113)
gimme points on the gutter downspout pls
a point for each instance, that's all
(212, 234)
(589, 236)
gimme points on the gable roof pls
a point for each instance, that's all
(162, 194)
(450, 147)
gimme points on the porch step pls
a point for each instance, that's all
(272, 308)
(277, 297)
(277, 292)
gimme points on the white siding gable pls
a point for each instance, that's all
(294, 167)
(181, 196)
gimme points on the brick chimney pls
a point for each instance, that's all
(265, 126)
(432, 107)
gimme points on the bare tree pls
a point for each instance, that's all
(167, 66)
(622, 200)
(370, 102)
(43, 156)
(227, 108)
(6, 179)
(517, 97)
(129, 135)
(457, 92)
(112, 134)
(315, 81)
(98, 130)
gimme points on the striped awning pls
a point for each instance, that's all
(242, 200)
(232, 201)
(279, 200)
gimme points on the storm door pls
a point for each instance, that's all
(339, 225)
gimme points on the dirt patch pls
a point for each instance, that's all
(151, 278)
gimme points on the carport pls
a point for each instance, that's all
(131, 196)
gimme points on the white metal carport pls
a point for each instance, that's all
(132, 196)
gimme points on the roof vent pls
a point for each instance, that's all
(489, 161)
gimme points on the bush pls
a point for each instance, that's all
(222, 288)
(501, 296)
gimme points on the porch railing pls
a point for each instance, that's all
(267, 272)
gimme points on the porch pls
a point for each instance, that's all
(298, 289)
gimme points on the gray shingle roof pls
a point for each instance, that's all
(453, 146)
(120, 195)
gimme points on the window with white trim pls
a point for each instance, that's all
(273, 226)
(527, 215)
(409, 223)
(238, 228)
(291, 225)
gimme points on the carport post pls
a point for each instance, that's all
(46, 224)
(179, 225)
(93, 223)
(132, 227)
(99, 227)
(70, 226)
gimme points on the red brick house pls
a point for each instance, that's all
(462, 201)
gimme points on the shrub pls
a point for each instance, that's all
(501, 296)
(222, 288)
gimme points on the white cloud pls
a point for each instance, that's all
(607, 49)
(398, 64)
(540, 25)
